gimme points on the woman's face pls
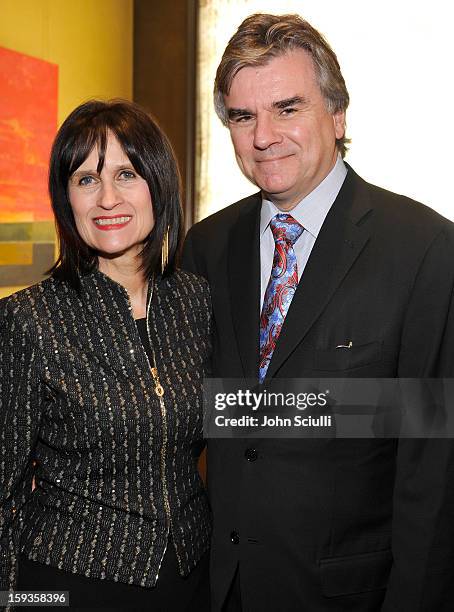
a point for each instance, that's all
(112, 210)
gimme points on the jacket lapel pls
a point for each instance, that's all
(340, 241)
(244, 282)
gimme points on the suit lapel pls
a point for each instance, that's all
(339, 243)
(244, 282)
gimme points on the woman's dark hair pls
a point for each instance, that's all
(152, 156)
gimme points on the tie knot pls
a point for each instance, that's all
(285, 228)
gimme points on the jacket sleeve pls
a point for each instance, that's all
(422, 574)
(20, 405)
(209, 330)
(190, 259)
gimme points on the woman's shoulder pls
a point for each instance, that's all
(185, 296)
(186, 285)
(22, 303)
(23, 298)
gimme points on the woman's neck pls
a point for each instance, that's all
(125, 273)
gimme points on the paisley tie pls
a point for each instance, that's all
(281, 286)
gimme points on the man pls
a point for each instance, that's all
(367, 278)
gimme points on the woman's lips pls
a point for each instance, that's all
(111, 223)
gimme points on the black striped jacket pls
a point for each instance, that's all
(115, 469)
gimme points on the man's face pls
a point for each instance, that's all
(284, 137)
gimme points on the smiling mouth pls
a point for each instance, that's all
(273, 159)
(107, 223)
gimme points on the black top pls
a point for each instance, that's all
(143, 333)
(115, 473)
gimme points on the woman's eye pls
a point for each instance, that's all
(127, 174)
(86, 180)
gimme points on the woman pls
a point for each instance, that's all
(101, 383)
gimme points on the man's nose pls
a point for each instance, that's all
(110, 195)
(265, 132)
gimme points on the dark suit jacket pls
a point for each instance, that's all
(334, 525)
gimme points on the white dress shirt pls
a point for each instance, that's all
(310, 212)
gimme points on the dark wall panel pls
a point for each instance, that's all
(164, 76)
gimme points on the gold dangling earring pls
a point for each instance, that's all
(165, 251)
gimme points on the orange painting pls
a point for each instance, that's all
(28, 122)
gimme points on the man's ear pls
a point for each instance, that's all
(339, 124)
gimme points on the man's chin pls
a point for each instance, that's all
(283, 200)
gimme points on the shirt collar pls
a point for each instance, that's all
(312, 209)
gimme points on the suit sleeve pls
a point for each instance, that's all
(192, 256)
(20, 403)
(422, 575)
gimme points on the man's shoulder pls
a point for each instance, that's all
(402, 211)
(226, 217)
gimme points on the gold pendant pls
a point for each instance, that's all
(158, 388)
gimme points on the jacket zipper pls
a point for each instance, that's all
(159, 390)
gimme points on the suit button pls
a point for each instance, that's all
(234, 537)
(251, 454)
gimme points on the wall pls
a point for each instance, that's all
(91, 42)
(396, 58)
(164, 77)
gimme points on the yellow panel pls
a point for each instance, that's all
(18, 217)
(90, 40)
(4, 291)
(16, 254)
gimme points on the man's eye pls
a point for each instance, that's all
(241, 118)
(288, 111)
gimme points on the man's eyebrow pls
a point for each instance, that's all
(301, 100)
(232, 113)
